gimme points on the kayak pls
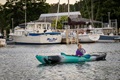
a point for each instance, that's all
(64, 58)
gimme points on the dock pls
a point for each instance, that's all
(69, 36)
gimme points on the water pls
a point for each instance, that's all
(18, 62)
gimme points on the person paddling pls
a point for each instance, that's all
(80, 51)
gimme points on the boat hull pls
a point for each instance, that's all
(89, 38)
(83, 37)
(42, 39)
(107, 38)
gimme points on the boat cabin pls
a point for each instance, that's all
(32, 27)
(38, 27)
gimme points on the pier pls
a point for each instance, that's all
(70, 37)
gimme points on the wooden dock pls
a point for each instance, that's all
(69, 36)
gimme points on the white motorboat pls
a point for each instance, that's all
(88, 36)
(36, 33)
(105, 38)
(83, 37)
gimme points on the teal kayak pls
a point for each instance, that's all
(64, 58)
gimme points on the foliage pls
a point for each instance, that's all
(100, 9)
(16, 9)
(59, 22)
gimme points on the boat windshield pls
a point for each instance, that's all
(31, 25)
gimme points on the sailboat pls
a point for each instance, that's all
(88, 35)
(35, 32)
(103, 37)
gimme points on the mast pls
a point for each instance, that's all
(57, 14)
(109, 21)
(92, 9)
(25, 14)
(68, 9)
(12, 25)
(92, 13)
(116, 26)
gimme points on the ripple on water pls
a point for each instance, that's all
(18, 62)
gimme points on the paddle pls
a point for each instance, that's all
(87, 56)
(63, 53)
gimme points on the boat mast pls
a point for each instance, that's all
(109, 21)
(68, 9)
(12, 26)
(92, 13)
(25, 14)
(57, 14)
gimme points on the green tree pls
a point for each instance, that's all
(59, 22)
(100, 9)
(15, 9)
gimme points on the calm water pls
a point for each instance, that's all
(18, 62)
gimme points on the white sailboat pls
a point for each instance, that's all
(105, 37)
(84, 37)
(88, 36)
(36, 33)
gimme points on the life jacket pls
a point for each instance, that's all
(80, 52)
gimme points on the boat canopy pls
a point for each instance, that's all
(59, 14)
(50, 17)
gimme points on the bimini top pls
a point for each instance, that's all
(60, 14)
(50, 17)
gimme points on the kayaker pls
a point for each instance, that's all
(80, 51)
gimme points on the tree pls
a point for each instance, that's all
(59, 22)
(15, 9)
(100, 9)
